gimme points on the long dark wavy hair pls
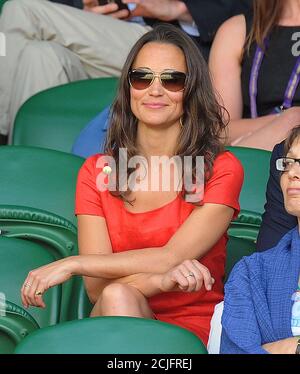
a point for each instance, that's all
(266, 15)
(203, 128)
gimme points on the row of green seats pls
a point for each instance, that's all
(38, 226)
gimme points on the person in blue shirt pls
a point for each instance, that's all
(276, 221)
(262, 295)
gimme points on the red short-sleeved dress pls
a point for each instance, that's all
(154, 228)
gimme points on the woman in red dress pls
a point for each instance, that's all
(146, 250)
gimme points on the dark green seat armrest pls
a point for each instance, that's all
(18, 257)
(15, 324)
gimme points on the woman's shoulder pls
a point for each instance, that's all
(263, 262)
(228, 45)
(92, 162)
(92, 167)
(228, 161)
(248, 267)
(234, 23)
(281, 248)
(234, 28)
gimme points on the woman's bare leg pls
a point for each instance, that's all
(121, 300)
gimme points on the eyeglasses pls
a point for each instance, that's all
(286, 163)
(171, 80)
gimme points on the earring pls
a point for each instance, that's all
(181, 123)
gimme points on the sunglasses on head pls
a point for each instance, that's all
(171, 80)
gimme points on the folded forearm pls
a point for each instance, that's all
(148, 284)
(267, 136)
(122, 264)
(239, 129)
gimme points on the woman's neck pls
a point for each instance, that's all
(291, 13)
(153, 141)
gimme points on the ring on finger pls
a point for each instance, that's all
(38, 293)
(27, 285)
(190, 274)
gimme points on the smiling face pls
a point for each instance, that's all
(290, 182)
(154, 105)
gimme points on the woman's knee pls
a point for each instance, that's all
(120, 293)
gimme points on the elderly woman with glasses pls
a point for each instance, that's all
(262, 296)
(153, 211)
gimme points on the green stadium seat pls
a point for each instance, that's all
(15, 324)
(53, 118)
(39, 178)
(56, 234)
(80, 307)
(112, 335)
(37, 193)
(253, 195)
(18, 257)
(237, 248)
(246, 226)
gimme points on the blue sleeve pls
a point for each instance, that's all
(276, 222)
(240, 329)
(91, 139)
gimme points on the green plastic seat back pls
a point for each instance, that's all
(237, 248)
(15, 324)
(80, 305)
(253, 194)
(57, 236)
(246, 226)
(54, 233)
(17, 258)
(53, 118)
(37, 194)
(112, 335)
(256, 163)
(39, 178)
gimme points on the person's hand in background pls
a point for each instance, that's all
(110, 9)
(164, 10)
